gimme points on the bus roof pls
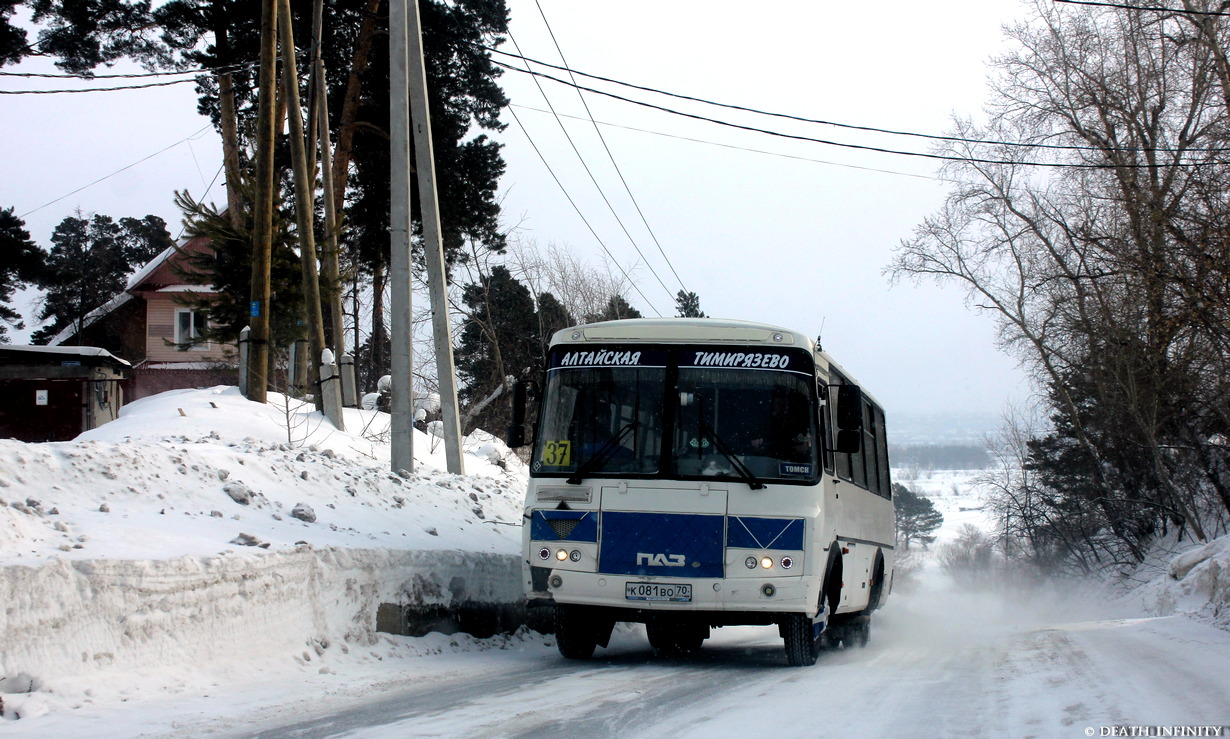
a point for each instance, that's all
(682, 331)
(694, 330)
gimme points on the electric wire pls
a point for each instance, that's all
(594, 179)
(95, 89)
(837, 124)
(575, 207)
(1125, 6)
(121, 169)
(744, 148)
(129, 75)
(610, 155)
(860, 147)
(197, 72)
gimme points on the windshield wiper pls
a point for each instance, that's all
(744, 472)
(604, 453)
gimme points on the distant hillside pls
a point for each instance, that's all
(970, 429)
(939, 456)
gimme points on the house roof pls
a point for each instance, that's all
(88, 354)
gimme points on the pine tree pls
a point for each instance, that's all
(21, 262)
(499, 340)
(917, 518)
(688, 305)
(616, 308)
(552, 317)
(227, 266)
(89, 264)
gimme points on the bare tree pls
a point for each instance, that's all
(1088, 262)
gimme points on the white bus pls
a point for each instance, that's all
(697, 473)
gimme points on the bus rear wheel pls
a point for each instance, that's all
(575, 635)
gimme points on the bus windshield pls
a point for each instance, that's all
(761, 419)
(601, 420)
(609, 412)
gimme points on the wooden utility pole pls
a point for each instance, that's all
(304, 211)
(262, 209)
(401, 449)
(433, 243)
(330, 257)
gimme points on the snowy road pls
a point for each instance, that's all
(944, 664)
(1054, 682)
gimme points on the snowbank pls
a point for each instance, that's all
(200, 530)
(1197, 584)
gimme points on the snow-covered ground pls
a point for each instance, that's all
(209, 566)
(201, 536)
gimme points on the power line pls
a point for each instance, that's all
(1125, 6)
(197, 72)
(121, 169)
(743, 148)
(131, 75)
(823, 122)
(579, 213)
(95, 89)
(860, 147)
(594, 179)
(611, 156)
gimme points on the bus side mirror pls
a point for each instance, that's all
(516, 428)
(849, 409)
(521, 392)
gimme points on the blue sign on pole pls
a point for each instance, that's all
(254, 309)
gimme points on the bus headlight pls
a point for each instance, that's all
(787, 562)
(561, 555)
(750, 562)
(544, 553)
(766, 562)
(575, 555)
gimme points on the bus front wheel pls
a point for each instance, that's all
(575, 635)
(803, 645)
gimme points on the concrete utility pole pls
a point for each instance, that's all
(262, 238)
(402, 403)
(433, 245)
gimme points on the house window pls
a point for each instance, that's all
(189, 329)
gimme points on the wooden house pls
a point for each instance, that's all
(152, 326)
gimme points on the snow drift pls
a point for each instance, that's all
(1196, 584)
(201, 529)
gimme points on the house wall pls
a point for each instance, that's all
(160, 328)
(121, 332)
(146, 381)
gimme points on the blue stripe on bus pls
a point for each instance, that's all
(661, 544)
(747, 532)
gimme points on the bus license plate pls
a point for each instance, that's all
(677, 592)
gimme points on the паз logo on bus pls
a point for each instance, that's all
(661, 560)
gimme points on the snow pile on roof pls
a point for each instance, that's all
(201, 533)
(1197, 584)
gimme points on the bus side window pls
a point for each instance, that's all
(857, 462)
(842, 460)
(886, 487)
(870, 449)
(824, 423)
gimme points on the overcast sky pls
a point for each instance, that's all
(763, 228)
